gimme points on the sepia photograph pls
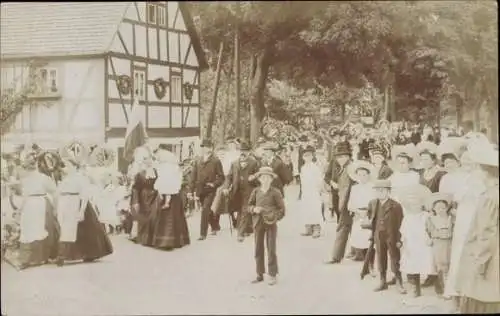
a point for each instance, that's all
(249, 158)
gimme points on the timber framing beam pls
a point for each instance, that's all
(118, 132)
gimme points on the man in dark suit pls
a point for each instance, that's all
(337, 177)
(387, 216)
(271, 159)
(206, 176)
(238, 185)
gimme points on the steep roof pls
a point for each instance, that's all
(42, 29)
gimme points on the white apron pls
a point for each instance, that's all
(70, 191)
(32, 221)
(361, 195)
(310, 203)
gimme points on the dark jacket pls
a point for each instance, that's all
(205, 172)
(386, 218)
(237, 180)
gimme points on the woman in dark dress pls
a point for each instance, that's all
(82, 237)
(144, 200)
(170, 225)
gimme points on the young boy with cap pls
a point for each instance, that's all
(387, 216)
(268, 207)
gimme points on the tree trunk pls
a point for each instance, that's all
(216, 90)
(385, 112)
(261, 64)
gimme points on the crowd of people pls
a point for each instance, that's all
(427, 203)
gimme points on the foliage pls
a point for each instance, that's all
(427, 51)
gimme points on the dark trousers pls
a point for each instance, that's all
(383, 247)
(335, 204)
(244, 224)
(343, 231)
(267, 233)
(207, 216)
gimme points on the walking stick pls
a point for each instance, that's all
(226, 210)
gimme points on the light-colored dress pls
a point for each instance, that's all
(36, 186)
(361, 195)
(310, 203)
(107, 204)
(416, 254)
(71, 190)
(467, 197)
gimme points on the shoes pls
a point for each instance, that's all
(241, 238)
(392, 281)
(258, 279)
(381, 287)
(332, 261)
(202, 238)
(213, 233)
(60, 262)
(272, 280)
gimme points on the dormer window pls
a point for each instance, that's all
(162, 21)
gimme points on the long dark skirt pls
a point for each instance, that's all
(146, 219)
(40, 251)
(91, 243)
(171, 229)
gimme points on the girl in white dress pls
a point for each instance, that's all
(361, 194)
(310, 203)
(416, 255)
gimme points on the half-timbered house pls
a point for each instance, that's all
(92, 61)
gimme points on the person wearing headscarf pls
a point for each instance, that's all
(478, 279)
(143, 201)
(310, 203)
(38, 224)
(170, 225)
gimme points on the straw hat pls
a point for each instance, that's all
(451, 146)
(381, 184)
(408, 151)
(359, 164)
(435, 197)
(427, 147)
(412, 197)
(265, 171)
(483, 154)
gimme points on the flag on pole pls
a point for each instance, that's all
(135, 136)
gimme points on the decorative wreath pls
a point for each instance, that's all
(160, 88)
(124, 84)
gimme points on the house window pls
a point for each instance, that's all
(161, 16)
(48, 80)
(152, 13)
(176, 89)
(139, 84)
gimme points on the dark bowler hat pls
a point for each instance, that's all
(309, 149)
(245, 146)
(207, 143)
(342, 148)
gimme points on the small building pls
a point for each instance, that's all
(85, 64)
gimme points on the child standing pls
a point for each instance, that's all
(387, 216)
(267, 206)
(439, 228)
